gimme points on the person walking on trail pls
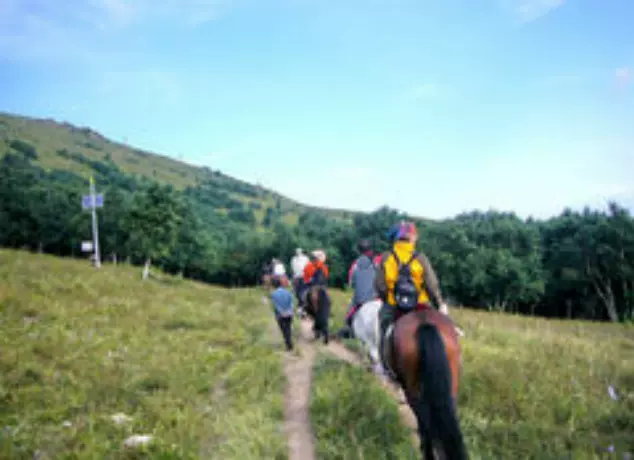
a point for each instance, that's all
(283, 308)
(362, 279)
(405, 279)
(298, 264)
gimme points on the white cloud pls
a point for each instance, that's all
(530, 10)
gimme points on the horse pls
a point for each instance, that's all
(424, 356)
(365, 327)
(317, 306)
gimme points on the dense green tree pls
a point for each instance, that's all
(575, 265)
(152, 224)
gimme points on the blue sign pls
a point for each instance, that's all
(87, 201)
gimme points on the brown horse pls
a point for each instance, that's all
(424, 354)
(318, 308)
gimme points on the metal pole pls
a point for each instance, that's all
(95, 230)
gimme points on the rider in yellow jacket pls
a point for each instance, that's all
(404, 236)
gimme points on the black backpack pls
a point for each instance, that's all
(405, 291)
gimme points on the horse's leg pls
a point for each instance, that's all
(324, 307)
(316, 313)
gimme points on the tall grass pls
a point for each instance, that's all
(534, 388)
(193, 366)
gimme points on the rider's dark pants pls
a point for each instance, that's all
(299, 286)
(285, 327)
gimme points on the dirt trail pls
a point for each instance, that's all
(344, 354)
(299, 374)
(298, 368)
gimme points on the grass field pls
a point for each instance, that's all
(78, 345)
(199, 368)
(538, 389)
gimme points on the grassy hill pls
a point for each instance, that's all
(65, 147)
(199, 368)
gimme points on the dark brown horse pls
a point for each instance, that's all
(318, 308)
(425, 356)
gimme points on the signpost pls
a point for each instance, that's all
(92, 202)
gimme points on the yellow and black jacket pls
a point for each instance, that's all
(422, 273)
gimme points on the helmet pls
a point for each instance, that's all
(402, 231)
(364, 246)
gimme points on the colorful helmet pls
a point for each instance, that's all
(403, 230)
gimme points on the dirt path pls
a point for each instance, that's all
(299, 374)
(298, 368)
(344, 354)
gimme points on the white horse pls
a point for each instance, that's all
(365, 327)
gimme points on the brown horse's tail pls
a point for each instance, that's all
(437, 407)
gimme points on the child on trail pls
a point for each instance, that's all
(282, 301)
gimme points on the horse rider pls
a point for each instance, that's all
(279, 271)
(405, 279)
(298, 264)
(362, 279)
(316, 271)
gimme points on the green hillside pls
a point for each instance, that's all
(210, 227)
(66, 147)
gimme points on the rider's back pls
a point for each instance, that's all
(389, 271)
(363, 279)
(298, 263)
(316, 273)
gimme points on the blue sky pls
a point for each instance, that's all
(431, 106)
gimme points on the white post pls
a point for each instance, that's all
(95, 230)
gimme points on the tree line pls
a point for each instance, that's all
(576, 265)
